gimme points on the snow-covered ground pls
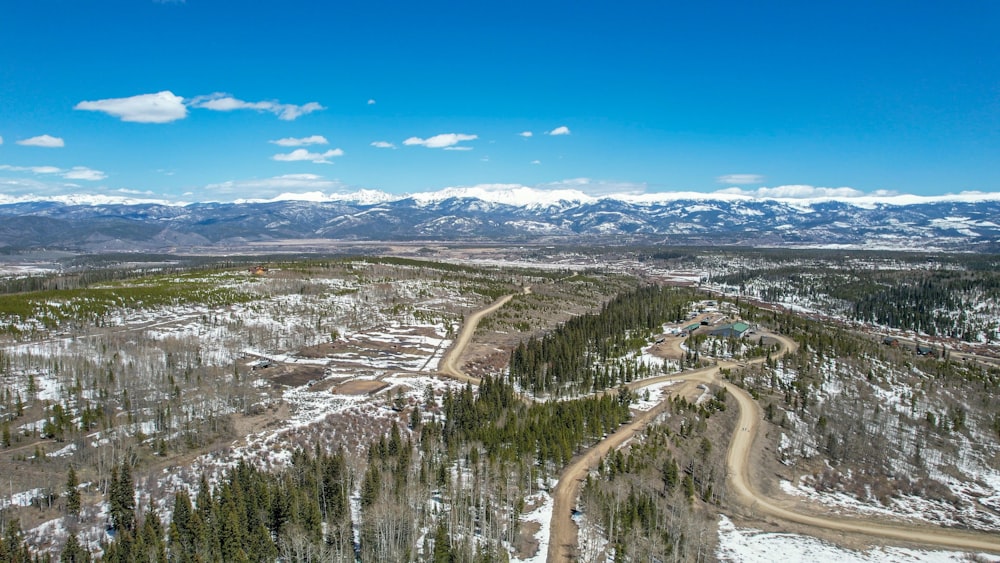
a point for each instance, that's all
(656, 393)
(747, 545)
(542, 514)
(965, 467)
(395, 333)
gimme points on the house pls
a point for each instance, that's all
(691, 328)
(258, 270)
(734, 330)
(890, 341)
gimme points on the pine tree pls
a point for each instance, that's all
(122, 499)
(73, 552)
(72, 493)
(150, 546)
(671, 474)
(371, 486)
(12, 547)
(182, 536)
(415, 418)
(202, 524)
(442, 544)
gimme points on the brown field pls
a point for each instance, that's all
(360, 387)
(295, 375)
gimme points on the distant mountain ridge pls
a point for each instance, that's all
(506, 214)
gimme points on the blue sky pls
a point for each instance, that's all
(216, 99)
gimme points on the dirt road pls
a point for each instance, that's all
(738, 462)
(449, 366)
(563, 531)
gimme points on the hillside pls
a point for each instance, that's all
(962, 222)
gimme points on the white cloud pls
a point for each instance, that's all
(526, 134)
(257, 187)
(134, 192)
(561, 130)
(161, 107)
(165, 106)
(458, 148)
(593, 187)
(303, 154)
(225, 102)
(371, 101)
(9, 187)
(383, 145)
(441, 141)
(800, 191)
(293, 142)
(84, 173)
(47, 141)
(740, 179)
(536, 161)
(34, 169)
(1, 140)
(75, 173)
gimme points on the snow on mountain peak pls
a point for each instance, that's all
(507, 194)
(802, 200)
(360, 197)
(83, 199)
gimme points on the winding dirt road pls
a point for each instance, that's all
(449, 363)
(738, 462)
(563, 536)
(563, 531)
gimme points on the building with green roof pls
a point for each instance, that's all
(734, 330)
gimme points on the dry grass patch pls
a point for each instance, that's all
(360, 387)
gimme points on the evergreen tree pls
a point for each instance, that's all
(671, 475)
(442, 544)
(414, 418)
(73, 552)
(122, 498)
(182, 532)
(371, 486)
(72, 493)
(12, 547)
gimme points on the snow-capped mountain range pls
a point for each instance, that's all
(966, 221)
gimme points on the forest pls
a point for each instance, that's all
(940, 296)
(205, 413)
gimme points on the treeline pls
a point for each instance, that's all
(448, 489)
(299, 514)
(52, 306)
(936, 303)
(884, 420)
(80, 272)
(552, 431)
(76, 280)
(575, 357)
(939, 302)
(645, 499)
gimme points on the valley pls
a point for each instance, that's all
(476, 403)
